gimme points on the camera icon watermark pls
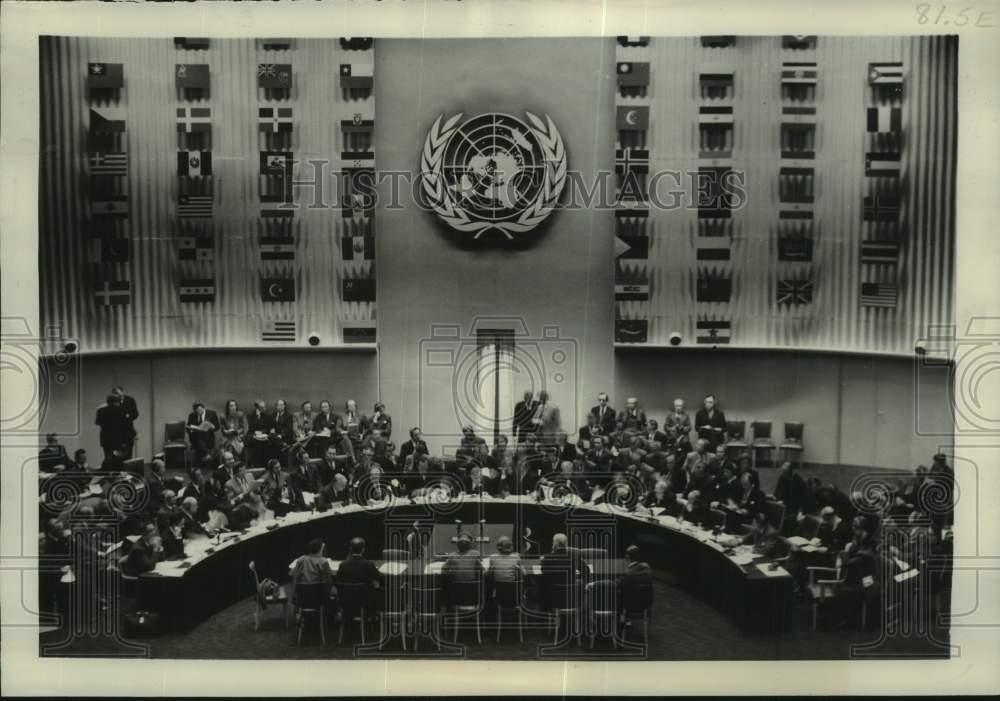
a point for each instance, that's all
(967, 368)
(483, 373)
(36, 370)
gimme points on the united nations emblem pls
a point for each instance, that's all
(493, 174)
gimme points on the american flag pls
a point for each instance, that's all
(278, 331)
(878, 294)
(194, 207)
(114, 163)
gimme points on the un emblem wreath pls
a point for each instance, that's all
(493, 172)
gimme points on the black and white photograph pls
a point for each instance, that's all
(478, 345)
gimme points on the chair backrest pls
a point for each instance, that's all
(761, 430)
(311, 596)
(637, 596)
(775, 511)
(173, 432)
(563, 596)
(717, 518)
(507, 594)
(736, 430)
(353, 595)
(794, 431)
(394, 555)
(137, 466)
(591, 555)
(424, 596)
(602, 595)
(809, 526)
(465, 593)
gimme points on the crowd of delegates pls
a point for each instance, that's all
(312, 459)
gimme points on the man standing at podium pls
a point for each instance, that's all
(710, 423)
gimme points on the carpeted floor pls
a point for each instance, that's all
(682, 628)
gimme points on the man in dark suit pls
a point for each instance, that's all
(282, 433)
(653, 434)
(145, 552)
(131, 413)
(562, 565)
(356, 568)
(604, 415)
(304, 477)
(116, 428)
(379, 420)
(202, 424)
(337, 491)
(601, 458)
(325, 420)
(465, 565)
(632, 416)
(259, 425)
(330, 466)
(524, 480)
(524, 412)
(791, 491)
(637, 573)
(415, 447)
(475, 484)
(710, 423)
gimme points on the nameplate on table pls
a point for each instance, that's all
(766, 568)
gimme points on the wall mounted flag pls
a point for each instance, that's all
(879, 252)
(276, 163)
(633, 74)
(795, 114)
(632, 117)
(276, 120)
(191, 43)
(191, 75)
(110, 248)
(194, 207)
(356, 43)
(105, 76)
(633, 41)
(883, 164)
(196, 290)
(359, 331)
(277, 290)
(713, 248)
(114, 163)
(274, 76)
(631, 209)
(794, 292)
(107, 120)
(283, 331)
(358, 290)
(357, 247)
(362, 121)
(357, 76)
(194, 164)
(713, 198)
(277, 44)
(631, 330)
(631, 292)
(796, 210)
(631, 247)
(885, 119)
(196, 248)
(278, 213)
(798, 42)
(713, 331)
(277, 248)
(716, 81)
(795, 249)
(194, 119)
(717, 41)
(885, 73)
(631, 160)
(795, 73)
(113, 207)
(112, 293)
(357, 160)
(881, 208)
(877, 294)
(357, 206)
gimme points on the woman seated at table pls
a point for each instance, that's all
(233, 427)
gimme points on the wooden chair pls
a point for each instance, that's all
(792, 445)
(465, 600)
(311, 601)
(280, 598)
(564, 603)
(761, 441)
(354, 604)
(394, 609)
(509, 596)
(602, 610)
(736, 436)
(174, 443)
(424, 606)
(822, 591)
(637, 602)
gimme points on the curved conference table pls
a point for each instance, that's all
(749, 589)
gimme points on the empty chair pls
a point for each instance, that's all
(311, 600)
(792, 445)
(263, 598)
(354, 603)
(175, 446)
(424, 603)
(637, 603)
(602, 608)
(736, 436)
(762, 441)
(508, 597)
(823, 585)
(564, 604)
(465, 600)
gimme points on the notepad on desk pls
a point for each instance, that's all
(392, 568)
